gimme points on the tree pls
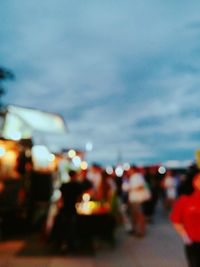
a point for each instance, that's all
(5, 74)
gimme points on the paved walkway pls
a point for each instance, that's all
(160, 248)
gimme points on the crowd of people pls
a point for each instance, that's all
(132, 198)
(126, 199)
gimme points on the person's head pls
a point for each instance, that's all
(73, 175)
(196, 182)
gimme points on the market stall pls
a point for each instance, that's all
(95, 220)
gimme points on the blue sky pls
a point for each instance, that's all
(123, 74)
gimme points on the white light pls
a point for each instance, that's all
(109, 170)
(89, 146)
(162, 170)
(86, 197)
(126, 166)
(71, 153)
(15, 135)
(2, 151)
(119, 171)
(76, 161)
(84, 165)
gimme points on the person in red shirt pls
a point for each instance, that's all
(185, 217)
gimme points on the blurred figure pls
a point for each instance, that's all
(41, 189)
(149, 206)
(125, 187)
(185, 186)
(185, 217)
(169, 185)
(125, 207)
(85, 183)
(95, 176)
(109, 195)
(138, 194)
(64, 231)
(107, 188)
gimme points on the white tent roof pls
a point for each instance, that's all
(39, 120)
(20, 122)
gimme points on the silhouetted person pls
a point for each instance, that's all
(65, 227)
(41, 189)
(185, 187)
(85, 184)
(153, 183)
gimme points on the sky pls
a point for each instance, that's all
(123, 74)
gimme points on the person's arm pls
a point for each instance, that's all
(176, 217)
(180, 229)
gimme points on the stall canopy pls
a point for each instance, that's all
(20, 122)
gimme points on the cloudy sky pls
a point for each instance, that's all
(123, 74)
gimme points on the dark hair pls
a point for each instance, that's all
(96, 165)
(72, 173)
(105, 174)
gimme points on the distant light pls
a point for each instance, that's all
(2, 151)
(162, 170)
(76, 161)
(71, 153)
(84, 165)
(15, 135)
(86, 197)
(119, 171)
(89, 146)
(109, 170)
(126, 166)
(51, 157)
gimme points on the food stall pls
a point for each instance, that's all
(21, 153)
(95, 220)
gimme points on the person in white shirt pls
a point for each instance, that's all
(137, 194)
(170, 188)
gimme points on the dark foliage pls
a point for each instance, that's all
(5, 74)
